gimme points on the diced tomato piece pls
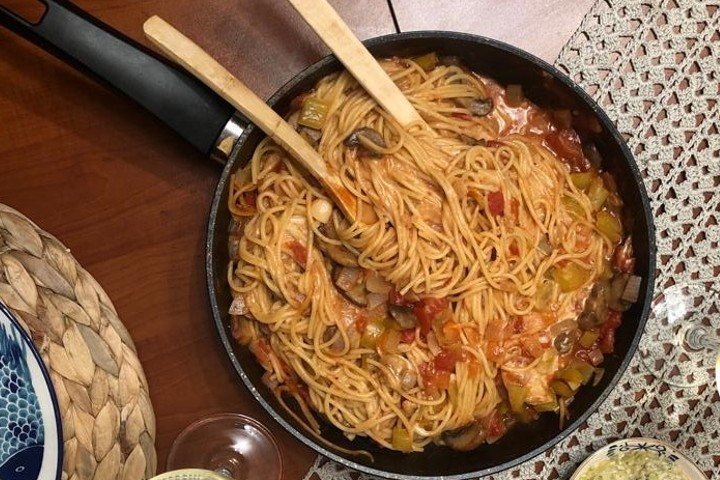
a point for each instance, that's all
(494, 425)
(566, 144)
(496, 203)
(434, 379)
(427, 309)
(361, 323)
(518, 325)
(299, 252)
(494, 351)
(513, 248)
(472, 336)
(447, 358)
(451, 331)
(396, 298)
(607, 332)
(407, 335)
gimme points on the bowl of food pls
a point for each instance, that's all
(638, 458)
(490, 297)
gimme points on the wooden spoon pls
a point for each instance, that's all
(195, 60)
(331, 28)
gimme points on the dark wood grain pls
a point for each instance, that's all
(540, 27)
(131, 200)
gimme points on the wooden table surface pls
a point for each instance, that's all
(131, 200)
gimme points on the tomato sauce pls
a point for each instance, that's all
(529, 120)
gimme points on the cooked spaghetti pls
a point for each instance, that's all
(481, 285)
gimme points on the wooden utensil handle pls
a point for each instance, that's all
(325, 21)
(194, 59)
(178, 100)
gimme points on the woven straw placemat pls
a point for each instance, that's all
(107, 419)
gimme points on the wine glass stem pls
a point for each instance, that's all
(698, 338)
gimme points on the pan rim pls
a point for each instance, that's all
(646, 217)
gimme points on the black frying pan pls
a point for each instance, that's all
(204, 119)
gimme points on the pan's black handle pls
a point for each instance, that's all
(178, 99)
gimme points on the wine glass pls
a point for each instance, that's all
(232, 445)
(681, 345)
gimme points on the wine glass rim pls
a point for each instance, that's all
(226, 416)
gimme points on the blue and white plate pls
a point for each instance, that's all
(30, 428)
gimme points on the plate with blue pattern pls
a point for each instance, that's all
(30, 427)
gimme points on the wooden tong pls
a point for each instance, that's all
(328, 25)
(195, 60)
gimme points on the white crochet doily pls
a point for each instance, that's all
(654, 67)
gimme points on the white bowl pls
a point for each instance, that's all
(639, 443)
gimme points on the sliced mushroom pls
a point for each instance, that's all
(450, 61)
(565, 341)
(615, 293)
(348, 281)
(477, 106)
(310, 135)
(466, 438)
(404, 375)
(377, 284)
(367, 141)
(337, 253)
(235, 233)
(589, 320)
(403, 315)
(238, 306)
(473, 142)
(331, 333)
(596, 307)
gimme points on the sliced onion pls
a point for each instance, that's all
(376, 284)
(269, 380)
(321, 210)
(599, 373)
(375, 300)
(347, 277)
(238, 306)
(389, 340)
(561, 327)
(632, 289)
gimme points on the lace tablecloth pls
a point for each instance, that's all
(654, 67)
